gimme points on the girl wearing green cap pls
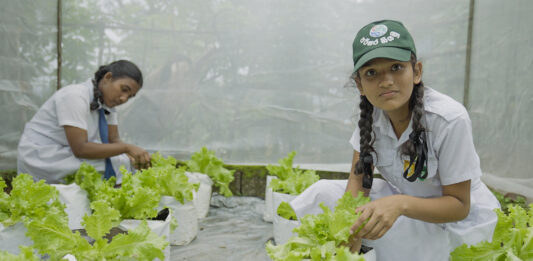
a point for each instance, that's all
(431, 199)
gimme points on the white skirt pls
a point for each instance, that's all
(410, 239)
(52, 161)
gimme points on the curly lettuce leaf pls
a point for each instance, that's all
(140, 243)
(284, 169)
(28, 200)
(102, 220)
(52, 237)
(26, 254)
(158, 160)
(169, 181)
(321, 236)
(512, 239)
(296, 183)
(205, 161)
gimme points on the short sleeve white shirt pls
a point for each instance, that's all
(69, 106)
(452, 157)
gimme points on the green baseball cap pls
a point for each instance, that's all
(382, 39)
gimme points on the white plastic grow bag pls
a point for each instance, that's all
(202, 197)
(76, 203)
(268, 214)
(282, 228)
(159, 227)
(186, 217)
(12, 237)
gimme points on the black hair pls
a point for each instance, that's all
(118, 69)
(416, 106)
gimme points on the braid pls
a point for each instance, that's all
(365, 133)
(97, 94)
(416, 105)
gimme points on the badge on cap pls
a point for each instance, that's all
(378, 30)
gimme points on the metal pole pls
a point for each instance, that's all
(468, 54)
(58, 42)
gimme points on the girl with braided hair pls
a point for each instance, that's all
(79, 124)
(431, 198)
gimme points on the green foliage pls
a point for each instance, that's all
(507, 201)
(512, 238)
(52, 236)
(285, 211)
(284, 169)
(321, 236)
(167, 179)
(26, 254)
(291, 180)
(296, 183)
(132, 199)
(28, 200)
(205, 161)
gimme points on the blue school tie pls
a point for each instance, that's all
(102, 125)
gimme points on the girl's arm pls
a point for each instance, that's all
(453, 205)
(82, 148)
(138, 156)
(355, 182)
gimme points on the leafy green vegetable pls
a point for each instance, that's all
(285, 211)
(295, 183)
(506, 201)
(52, 236)
(285, 169)
(26, 254)
(205, 161)
(167, 179)
(132, 199)
(291, 180)
(321, 236)
(28, 200)
(512, 238)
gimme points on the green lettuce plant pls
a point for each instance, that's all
(26, 254)
(512, 238)
(205, 161)
(52, 236)
(322, 236)
(28, 200)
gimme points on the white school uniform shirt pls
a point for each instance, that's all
(43, 150)
(452, 158)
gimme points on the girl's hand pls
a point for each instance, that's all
(381, 215)
(354, 244)
(140, 159)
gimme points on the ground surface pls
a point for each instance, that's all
(233, 230)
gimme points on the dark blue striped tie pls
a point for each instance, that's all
(102, 125)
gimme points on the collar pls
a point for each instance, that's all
(383, 126)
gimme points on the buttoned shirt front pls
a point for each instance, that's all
(452, 157)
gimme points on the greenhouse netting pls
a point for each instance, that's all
(253, 80)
